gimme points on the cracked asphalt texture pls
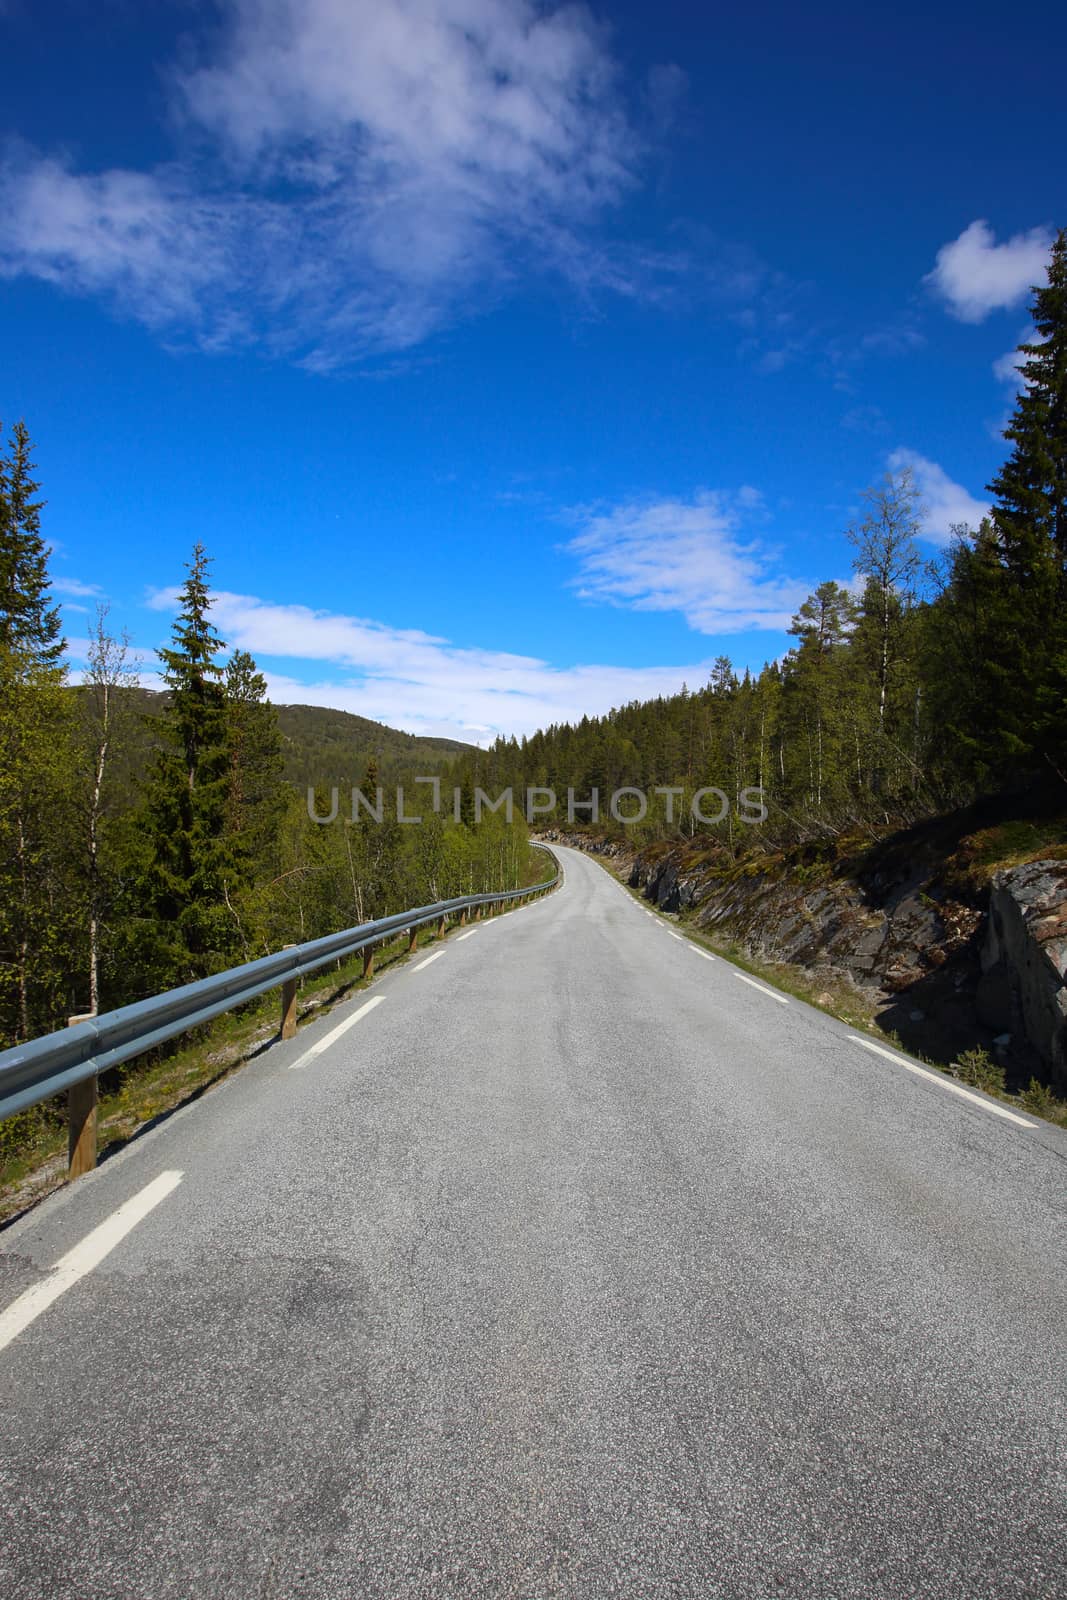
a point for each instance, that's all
(575, 1268)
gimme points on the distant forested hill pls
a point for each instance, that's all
(319, 745)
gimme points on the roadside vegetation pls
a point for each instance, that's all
(148, 841)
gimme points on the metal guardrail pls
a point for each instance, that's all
(72, 1058)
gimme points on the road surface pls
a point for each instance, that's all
(577, 1265)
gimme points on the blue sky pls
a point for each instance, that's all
(511, 360)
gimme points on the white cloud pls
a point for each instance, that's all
(975, 275)
(1008, 367)
(353, 173)
(145, 663)
(688, 556)
(423, 683)
(945, 504)
(74, 586)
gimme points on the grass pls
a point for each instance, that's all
(33, 1144)
(1010, 844)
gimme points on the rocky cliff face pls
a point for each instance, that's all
(1023, 989)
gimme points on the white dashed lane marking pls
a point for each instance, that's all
(80, 1261)
(335, 1033)
(781, 999)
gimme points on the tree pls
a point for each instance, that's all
(34, 768)
(255, 758)
(191, 866)
(1030, 518)
(103, 727)
(822, 625)
(29, 623)
(964, 660)
(887, 557)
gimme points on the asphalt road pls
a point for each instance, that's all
(576, 1266)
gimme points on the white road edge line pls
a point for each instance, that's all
(84, 1257)
(698, 952)
(676, 936)
(781, 999)
(944, 1083)
(468, 935)
(335, 1033)
(435, 957)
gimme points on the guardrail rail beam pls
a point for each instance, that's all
(70, 1060)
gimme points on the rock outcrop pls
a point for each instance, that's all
(949, 954)
(901, 928)
(1024, 960)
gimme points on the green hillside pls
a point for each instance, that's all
(319, 745)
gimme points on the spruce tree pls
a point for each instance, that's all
(966, 663)
(813, 689)
(1030, 517)
(35, 932)
(29, 623)
(255, 799)
(192, 869)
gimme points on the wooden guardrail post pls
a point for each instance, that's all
(82, 1102)
(463, 918)
(368, 961)
(288, 1005)
(413, 941)
(442, 924)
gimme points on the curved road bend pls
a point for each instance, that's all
(577, 1265)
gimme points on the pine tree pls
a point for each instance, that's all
(255, 759)
(29, 623)
(822, 625)
(965, 662)
(192, 869)
(1030, 517)
(35, 934)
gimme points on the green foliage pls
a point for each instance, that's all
(978, 1069)
(190, 868)
(322, 745)
(35, 772)
(1029, 714)
(29, 623)
(1040, 1101)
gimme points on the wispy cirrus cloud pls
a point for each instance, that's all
(945, 504)
(975, 275)
(75, 587)
(692, 556)
(1008, 368)
(419, 681)
(348, 176)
